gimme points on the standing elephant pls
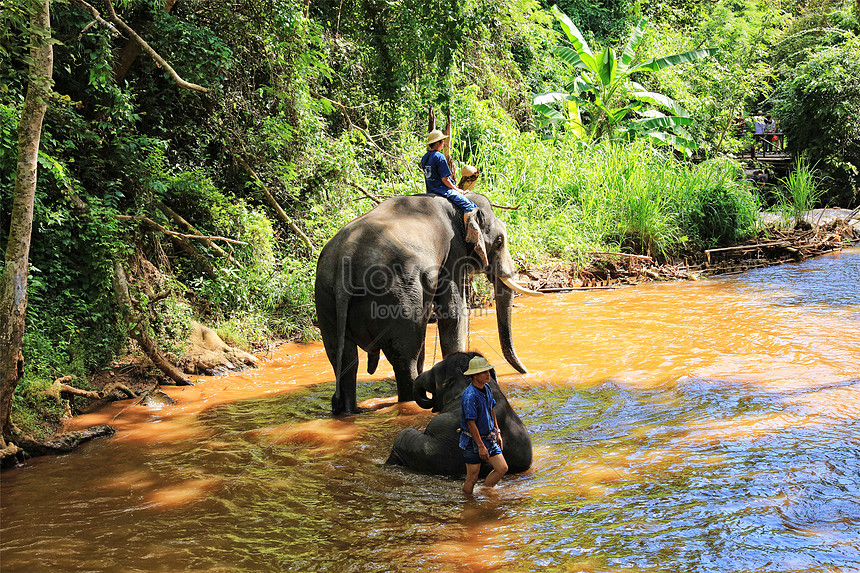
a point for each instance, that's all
(380, 277)
(437, 450)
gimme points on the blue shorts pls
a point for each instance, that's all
(470, 454)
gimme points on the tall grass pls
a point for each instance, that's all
(799, 192)
(575, 198)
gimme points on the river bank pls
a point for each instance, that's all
(821, 231)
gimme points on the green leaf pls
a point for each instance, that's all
(660, 100)
(550, 97)
(575, 121)
(548, 114)
(684, 145)
(576, 38)
(570, 56)
(661, 122)
(659, 63)
(608, 65)
(633, 43)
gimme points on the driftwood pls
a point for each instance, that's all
(610, 270)
(65, 442)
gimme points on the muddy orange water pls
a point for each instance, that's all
(706, 426)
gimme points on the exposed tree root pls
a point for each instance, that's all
(59, 389)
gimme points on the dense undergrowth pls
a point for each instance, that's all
(307, 108)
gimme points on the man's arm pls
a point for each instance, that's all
(498, 430)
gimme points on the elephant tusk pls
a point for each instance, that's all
(512, 284)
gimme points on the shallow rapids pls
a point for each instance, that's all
(707, 426)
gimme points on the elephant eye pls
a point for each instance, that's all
(500, 240)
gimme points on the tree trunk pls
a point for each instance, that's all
(13, 284)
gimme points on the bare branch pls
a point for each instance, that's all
(166, 231)
(363, 132)
(366, 193)
(269, 197)
(134, 36)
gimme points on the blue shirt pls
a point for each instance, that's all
(476, 405)
(435, 169)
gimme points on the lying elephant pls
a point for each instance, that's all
(437, 450)
(382, 275)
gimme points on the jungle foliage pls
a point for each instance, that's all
(311, 103)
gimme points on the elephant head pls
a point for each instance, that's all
(443, 383)
(500, 271)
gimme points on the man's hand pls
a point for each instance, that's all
(499, 438)
(483, 452)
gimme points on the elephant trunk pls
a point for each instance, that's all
(504, 306)
(421, 386)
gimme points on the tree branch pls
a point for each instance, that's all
(143, 44)
(206, 240)
(123, 298)
(363, 132)
(366, 193)
(269, 197)
(166, 231)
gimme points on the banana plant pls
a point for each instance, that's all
(604, 102)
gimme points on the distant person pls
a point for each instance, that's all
(439, 180)
(769, 131)
(740, 126)
(759, 123)
(480, 438)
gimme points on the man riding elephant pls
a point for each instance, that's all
(382, 275)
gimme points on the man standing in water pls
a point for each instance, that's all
(480, 438)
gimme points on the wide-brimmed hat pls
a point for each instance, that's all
(468, 171)
(477, 365)
(434, 136)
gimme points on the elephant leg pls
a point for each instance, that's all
(453, 324)
(430, 452)
(405, 371)
(343, 401)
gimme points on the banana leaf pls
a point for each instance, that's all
(632, 43)
(576, 38)
(608, 66)
(660, 100)
(549, 97)
(661, 122)
(571, 56)
(659, 63)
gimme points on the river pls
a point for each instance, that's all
(700, 426)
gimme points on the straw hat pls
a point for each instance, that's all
(434, 136)
(478, 364)
(468, 171)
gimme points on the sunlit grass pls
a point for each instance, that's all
(800, 191)
(575, 198)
